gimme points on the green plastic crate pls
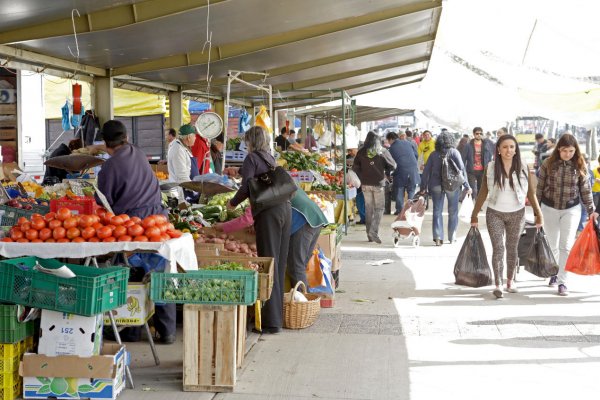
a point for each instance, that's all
(11, 330)
(12, 215)
(205, 287)
(92, 291)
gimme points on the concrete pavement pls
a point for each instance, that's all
(405, 331)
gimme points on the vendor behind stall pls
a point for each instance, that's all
(130, 187)
(56, 175)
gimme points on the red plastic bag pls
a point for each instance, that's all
(584, 258)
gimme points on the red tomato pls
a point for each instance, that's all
(148, 222)
(55, 223)
(170, 227)
(135, 230)
(88, 232)
(37, 241)
(163, 228)
(38, 223)
(16, 234)
(63, 240)
(36, 215)
(45, 234)
(128, 223)
(97, 225)
(59, 233)
(136, 220)
(124, 217)
(22, 240)
(70, 223)
(119, 231)
(31, 234)
(175, 233)
(86, 221)
(63, 213)
(50, 216)
(22, 220)
(93, 240)
(25, 226)
(107, 217)
(140, 238)
(7, 240)
(116, 221)
(104, 232)
(161, 219)
(72, 233)
(78, 239)
(152, 231)
(164, 237)
(109, 239)
(155, 238)
(125, 238)
(50, 240)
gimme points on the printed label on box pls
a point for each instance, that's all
(70, 334)
(138, 309)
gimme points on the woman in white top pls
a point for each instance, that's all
(506, 184)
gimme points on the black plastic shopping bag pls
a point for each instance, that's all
(472, 268)
(540, 260)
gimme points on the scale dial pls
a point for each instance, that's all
(209, 124)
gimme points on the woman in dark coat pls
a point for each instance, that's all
(272, 225)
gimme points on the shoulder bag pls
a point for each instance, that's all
(271, 188)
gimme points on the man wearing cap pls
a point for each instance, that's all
(182, 165)
(130, 187)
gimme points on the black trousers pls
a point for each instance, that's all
(272, 228)
(302, 244)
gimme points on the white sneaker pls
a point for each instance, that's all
(498, 292)
(512, 289)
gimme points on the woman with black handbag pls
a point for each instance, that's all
(272, 224)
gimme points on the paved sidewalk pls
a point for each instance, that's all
(405, 331)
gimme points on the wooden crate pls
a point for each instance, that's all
(213, 248)
(214, 340)
(8, 134)
(8, 108)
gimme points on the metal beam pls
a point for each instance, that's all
(291, 86)
(219, 53)
(133, 80)
(388, 79)
(388, 87)
(14, 54)
(288, 69)
(44, 70)
(111, 18)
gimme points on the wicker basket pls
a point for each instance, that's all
(299, 315)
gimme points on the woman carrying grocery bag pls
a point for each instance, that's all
(506, 185)
(562, 186)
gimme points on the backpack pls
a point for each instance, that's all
(452, 177)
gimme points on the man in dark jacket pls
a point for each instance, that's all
(479, 153)
(406, 174)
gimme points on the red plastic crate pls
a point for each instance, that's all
(82, 205)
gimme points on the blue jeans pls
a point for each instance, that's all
(399, 192)
(437, 196)
(360, 205)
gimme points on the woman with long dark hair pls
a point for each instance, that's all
(506, 184)
(371, 164)
(431, 182)
(272, 225)
(562, 186)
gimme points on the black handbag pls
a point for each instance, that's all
(271, 188)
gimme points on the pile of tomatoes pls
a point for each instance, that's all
(63, 227)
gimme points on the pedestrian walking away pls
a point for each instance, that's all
(506, 185)
(562, 186)
(432, 182)
(406, 175)
(371, 164)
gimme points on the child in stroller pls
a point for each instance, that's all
(407, 225)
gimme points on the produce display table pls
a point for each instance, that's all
(177, 251)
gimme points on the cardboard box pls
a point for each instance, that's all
(327, 243)
(6, 171)
(138, 309)
(72, 377)
(70, 334)
(242, 235)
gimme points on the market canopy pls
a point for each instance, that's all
(305, 48)
(361, 113)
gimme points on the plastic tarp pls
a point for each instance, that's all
(126, 103)
(495, 60)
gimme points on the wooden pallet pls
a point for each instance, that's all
(214, 344)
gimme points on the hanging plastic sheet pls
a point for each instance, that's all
(66, 125)
(244, 122)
